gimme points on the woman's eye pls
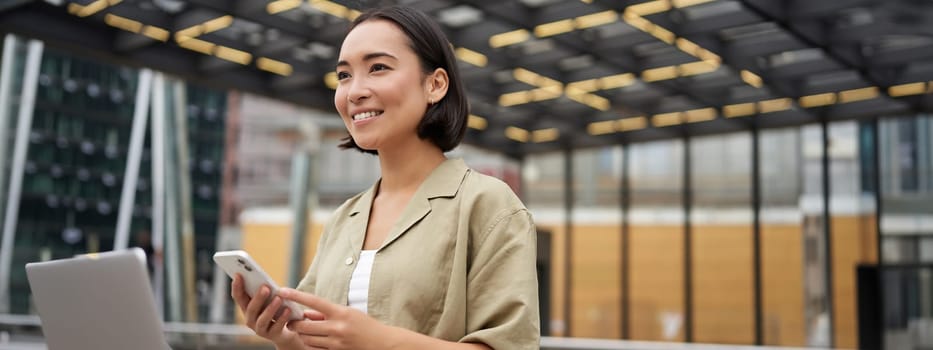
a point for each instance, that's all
(342, 75)
(378, 67)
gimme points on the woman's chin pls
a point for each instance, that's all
(368, 146)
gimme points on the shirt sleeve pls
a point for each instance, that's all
(502, 285)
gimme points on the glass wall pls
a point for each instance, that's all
(657, 241)
(782, 240)
(906, 156)
(596, 255)
(852, 208)
(543, 194)
(721, 229)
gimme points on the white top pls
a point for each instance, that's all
(358, 297)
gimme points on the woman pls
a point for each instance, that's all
(434, 255)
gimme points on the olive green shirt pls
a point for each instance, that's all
(459, 264)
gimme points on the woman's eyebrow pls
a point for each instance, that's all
(367, 57)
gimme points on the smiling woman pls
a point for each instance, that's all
(434, 255)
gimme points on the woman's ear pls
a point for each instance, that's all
(436, 85)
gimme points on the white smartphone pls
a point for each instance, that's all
(235, 262)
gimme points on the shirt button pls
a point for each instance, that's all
(349, 261)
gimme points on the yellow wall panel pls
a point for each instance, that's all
(596, 261)
(853, 243)
(723, 295)
(782, 285)
(656, 284)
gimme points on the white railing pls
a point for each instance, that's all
(547, 343)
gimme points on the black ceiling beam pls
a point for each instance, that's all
(811, 38)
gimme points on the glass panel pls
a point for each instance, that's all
(596, 255)
(906, 156)
(791, 227)
(74, 164)
(852, 207)
(657, 280)
(543, 194)
(721, 219)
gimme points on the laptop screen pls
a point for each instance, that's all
(99, 301)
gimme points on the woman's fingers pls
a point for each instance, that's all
(266, 318)
(316, 341)
(312, 314)
(238, 292)
(256, 306)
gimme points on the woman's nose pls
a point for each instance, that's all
(357, 91)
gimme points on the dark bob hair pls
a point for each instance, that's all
(445, 121)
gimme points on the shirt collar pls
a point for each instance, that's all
(444, 181)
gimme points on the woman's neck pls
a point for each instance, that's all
(405, 168)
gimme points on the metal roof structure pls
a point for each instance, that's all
(545, 75)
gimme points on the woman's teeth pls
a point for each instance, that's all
(365, 115)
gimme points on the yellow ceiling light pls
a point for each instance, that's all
(514, 98)
(331, 8)
(532, 78)
(907, 89)
(233, 55)
(667, 119)
(508, 38)
(197, 45)
(738, 110)
(700, 115)
(285, 69)
(660, 73)
(90, 9)
(697, 68)
(637, 22)
(546, 93)
(123, 23)
(330, 80)
(662, 34)
(858, 94)
(817, 100)
(596, 102)
(616, 81)
(596, 19)
(545, 135)
(774, 105)
(156, 33)
(554, 28)
(353, 14)
(593, 101)
(476, 122)
(708, 55)
(688, 46)
(217, 23)
(189, 33)
(649, 8)
(526, 76)
(471, 57)
(751, 78)
(516, 134)
(686, 3)
(282, 6)
(601, 128)
(633, 123)
(583, 86)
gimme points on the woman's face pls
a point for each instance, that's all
(382, 92)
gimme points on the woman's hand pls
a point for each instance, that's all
(335, 327)
(267, 321)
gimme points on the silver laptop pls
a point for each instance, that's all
(101, 301)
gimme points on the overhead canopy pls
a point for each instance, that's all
(547, 74)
